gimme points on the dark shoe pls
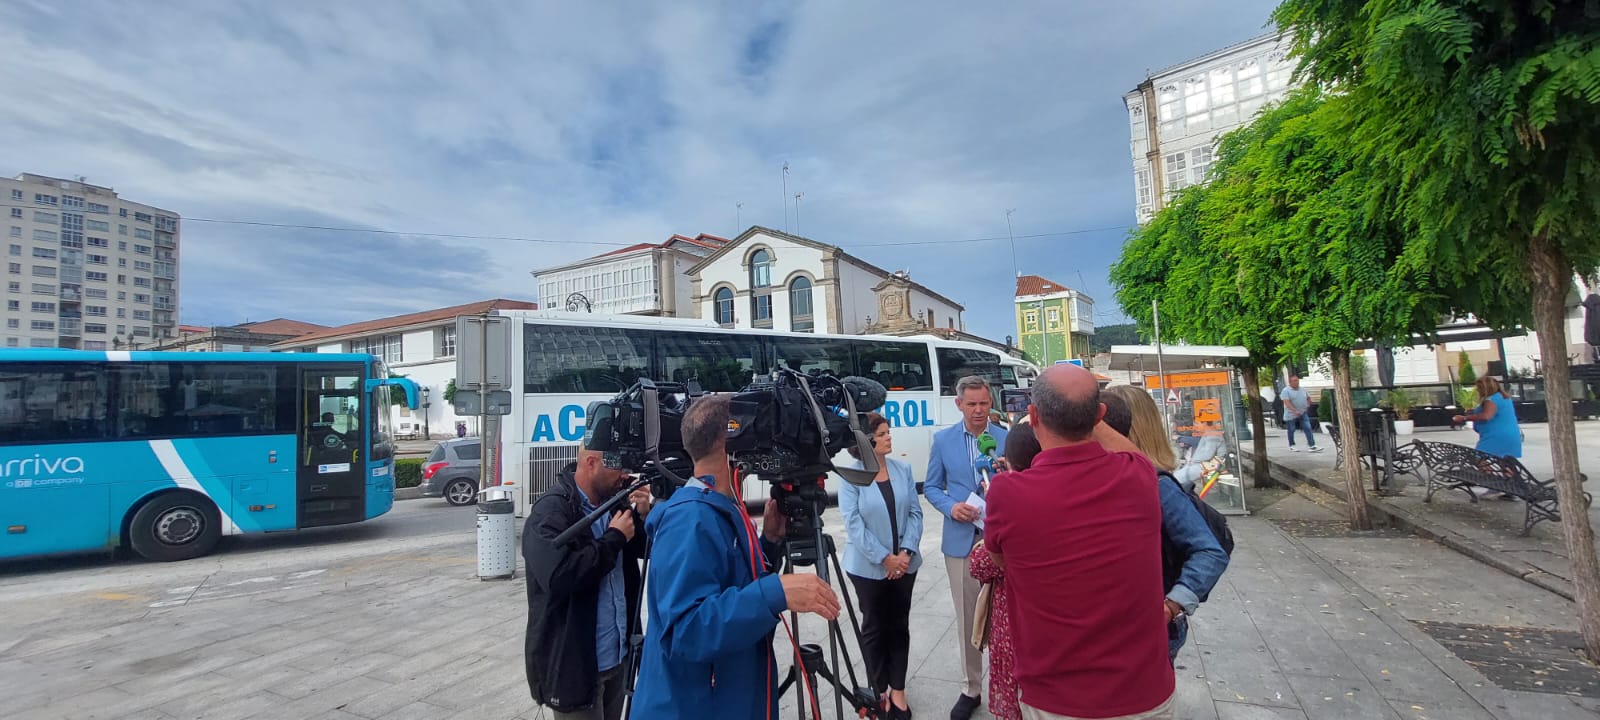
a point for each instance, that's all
(898, 713)
(965, 706)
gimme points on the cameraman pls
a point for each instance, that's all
(581, 607)
(713, 598)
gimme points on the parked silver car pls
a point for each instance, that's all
(451, 471)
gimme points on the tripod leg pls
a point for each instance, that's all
(832, 555)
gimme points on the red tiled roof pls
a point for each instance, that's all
(419, 318)
(628, 249)
(193, 329)
(1035, 285)
(705, 240)
(283, 326)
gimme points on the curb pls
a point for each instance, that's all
(409, 493)
(1407, 520)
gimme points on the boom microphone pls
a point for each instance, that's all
(869, 394)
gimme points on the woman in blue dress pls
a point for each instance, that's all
(1495, 421)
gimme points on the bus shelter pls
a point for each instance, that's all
(1199, 398)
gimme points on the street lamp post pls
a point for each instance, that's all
(425, 434)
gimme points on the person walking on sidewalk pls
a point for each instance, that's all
(884, 526)
(1021, 447)
(580, 595)
(954, 488)
(1078, 536)
(1297, 414)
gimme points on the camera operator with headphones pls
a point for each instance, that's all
(714, 599)
(581, 594)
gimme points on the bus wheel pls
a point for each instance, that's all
(175, 526)
(461, 492)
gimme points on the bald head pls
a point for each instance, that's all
(1066, 402)
(594, 478)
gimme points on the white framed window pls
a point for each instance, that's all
(445, 345)
(1177, 172)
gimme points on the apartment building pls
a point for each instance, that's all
(85, 268)
(1176, 115)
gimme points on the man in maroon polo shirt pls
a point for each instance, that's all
(1079, 535)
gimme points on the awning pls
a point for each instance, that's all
(1142, 358)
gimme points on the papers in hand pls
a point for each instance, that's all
(978, 502)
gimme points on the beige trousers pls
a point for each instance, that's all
(964, 594)
(1163, 711)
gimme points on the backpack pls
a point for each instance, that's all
(1172, 556)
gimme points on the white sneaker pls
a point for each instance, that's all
(1314, 449)
(1293, 449)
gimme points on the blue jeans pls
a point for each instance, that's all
(1301, 423)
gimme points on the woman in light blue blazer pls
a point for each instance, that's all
(884, 524)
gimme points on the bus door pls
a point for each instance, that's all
(330, 475)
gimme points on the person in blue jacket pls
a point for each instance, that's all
(714, 597)
(883, 522)
(952, 486)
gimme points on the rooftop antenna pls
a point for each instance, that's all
(1014, 266)
(797, 197)
(738, 218)
(786, 196)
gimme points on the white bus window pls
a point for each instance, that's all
(561, 359)
(722, 362)
(896, 365)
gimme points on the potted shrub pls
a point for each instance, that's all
(1402, 401)
(1467, 399)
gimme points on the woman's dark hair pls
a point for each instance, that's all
(1021, 446)
(873, 422)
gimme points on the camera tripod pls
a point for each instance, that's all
(809, 545)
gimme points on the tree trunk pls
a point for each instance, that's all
(1551, 276)
(1350, 439)
(1258, 425)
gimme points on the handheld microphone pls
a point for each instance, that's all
(985, 462)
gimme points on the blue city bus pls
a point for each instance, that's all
(166, 452)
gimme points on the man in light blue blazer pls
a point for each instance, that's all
(952, 480)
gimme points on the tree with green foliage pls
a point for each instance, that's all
(1480, 117)
(450, 391)
(1172, 262)
(1464, 372)
(1288, 251)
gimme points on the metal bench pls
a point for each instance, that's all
(1451, 466)
(1378, 450)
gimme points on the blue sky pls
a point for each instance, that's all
(588, 126)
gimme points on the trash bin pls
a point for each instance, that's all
(497, 539)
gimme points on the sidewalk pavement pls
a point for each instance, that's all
(413, 634)
(1489, 530)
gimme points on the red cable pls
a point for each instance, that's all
(805, 678)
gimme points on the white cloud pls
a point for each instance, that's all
(590, 123)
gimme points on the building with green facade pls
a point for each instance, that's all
(1054, 322)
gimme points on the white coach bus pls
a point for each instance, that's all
(568, 360)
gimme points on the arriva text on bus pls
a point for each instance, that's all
(568, 421)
